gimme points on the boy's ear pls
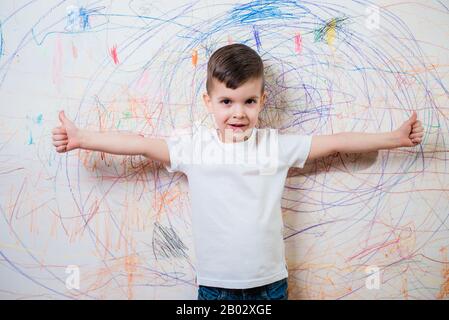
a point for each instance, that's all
(207, 102)
(263, 99)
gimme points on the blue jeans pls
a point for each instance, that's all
(274, 291)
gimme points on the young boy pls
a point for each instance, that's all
(235, 185)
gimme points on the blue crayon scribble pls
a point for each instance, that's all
(259, 11)
(39, 118)
(30, 138)
(256, 37)
(1, 40)
(78, 18)
(84, 18)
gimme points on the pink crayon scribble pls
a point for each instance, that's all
(57, 63)
(114, 54)
(298, 43)
(143, 80)
(74, 51)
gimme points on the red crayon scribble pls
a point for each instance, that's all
(194, 57)
(298, 43)
(373, 248)
(114, 54)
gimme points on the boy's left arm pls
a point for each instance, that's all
(409, 134)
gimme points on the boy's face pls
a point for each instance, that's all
(235, 111)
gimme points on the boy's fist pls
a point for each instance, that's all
(66, 136)
(410, 133)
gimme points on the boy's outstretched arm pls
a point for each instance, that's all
(409, 134)
(68, 137)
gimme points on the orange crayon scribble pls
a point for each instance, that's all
(195, 57)
(166, 198)
(130, 268)
(404, 288)
(444, 291)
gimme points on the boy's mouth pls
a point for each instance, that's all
(237, 127)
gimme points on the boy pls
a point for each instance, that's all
(235, 188)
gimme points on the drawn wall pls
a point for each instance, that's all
(356, 225)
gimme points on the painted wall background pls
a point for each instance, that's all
(123, 223)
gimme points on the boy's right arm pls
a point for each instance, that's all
(68, 137)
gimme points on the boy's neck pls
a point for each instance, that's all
(222, 139)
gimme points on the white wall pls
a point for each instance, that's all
(364, 71)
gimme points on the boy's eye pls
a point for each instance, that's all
(227, 101)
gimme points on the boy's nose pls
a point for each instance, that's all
(238, 111)
(238, 115)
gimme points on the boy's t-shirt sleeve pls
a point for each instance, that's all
(294, 149)
(179, 148)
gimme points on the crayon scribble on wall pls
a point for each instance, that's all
(123, 223)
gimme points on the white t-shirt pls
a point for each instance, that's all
(235, 192)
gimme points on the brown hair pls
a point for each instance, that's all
(233, 65)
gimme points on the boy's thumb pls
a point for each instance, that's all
(413, 117)
(62, 117)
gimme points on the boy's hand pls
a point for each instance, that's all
(410, 133)
(66, 136)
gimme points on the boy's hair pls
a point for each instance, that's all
(233, 65)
